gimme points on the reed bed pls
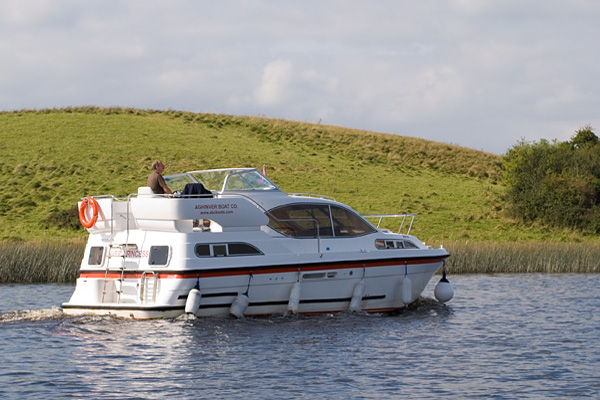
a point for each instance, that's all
(24, 262)
(528, 257)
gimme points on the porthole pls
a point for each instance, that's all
(96, 255)
(159, 255)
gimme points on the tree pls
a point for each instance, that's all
(555, 183)
(584, 137)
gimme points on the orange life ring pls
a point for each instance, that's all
(82, 212)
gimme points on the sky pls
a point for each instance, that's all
(483, 74)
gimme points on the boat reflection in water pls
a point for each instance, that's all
(244, 248)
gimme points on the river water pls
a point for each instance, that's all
(502, 336)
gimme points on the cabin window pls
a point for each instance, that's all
(202, 250)
(96, 255)
(225, 249)
(347, 223)
(219, 250)
(301, 220)
(242, 249)
(159, 255)
(410, 245)
(305, 220)
(395, 244)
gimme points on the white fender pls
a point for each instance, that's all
(443, 291)
(406, 290)
(357, 296)
(239, 305)
(294, 301)
(192, 304)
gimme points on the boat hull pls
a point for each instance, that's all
(322, 289)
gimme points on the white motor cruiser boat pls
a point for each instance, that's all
(243, 248)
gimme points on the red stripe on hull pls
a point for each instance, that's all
(247, 270)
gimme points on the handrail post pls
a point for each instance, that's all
(402, 224)
(411, 224)
(318, 236)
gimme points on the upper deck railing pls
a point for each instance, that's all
(403, 216)
(312, 195)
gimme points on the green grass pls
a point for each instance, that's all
(51, 158)
(24, 262)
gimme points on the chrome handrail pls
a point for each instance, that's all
(403, 216)
(313, 195)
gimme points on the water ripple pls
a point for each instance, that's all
(503, 336)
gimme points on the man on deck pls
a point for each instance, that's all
(156, 181)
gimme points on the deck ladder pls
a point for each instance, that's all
(148, 286)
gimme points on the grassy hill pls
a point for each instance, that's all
(51, 158)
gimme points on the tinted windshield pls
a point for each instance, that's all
(178, 182)
(247, 180)
(233, 180)
(223, 180)
(305, 220)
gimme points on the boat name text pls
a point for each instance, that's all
(215, 206)
(116, 252)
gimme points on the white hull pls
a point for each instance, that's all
(322, 290)
(146, 253)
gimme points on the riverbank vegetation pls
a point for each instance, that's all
(52, 158)
(523, 257)
(25, 262)
(556, 183)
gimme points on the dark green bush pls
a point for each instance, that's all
(556, 184)
(65, 219)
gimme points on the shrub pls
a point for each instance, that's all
(557, 184)
(65, 219)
